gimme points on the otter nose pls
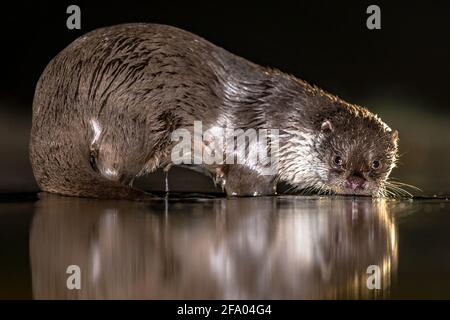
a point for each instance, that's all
(355, 182)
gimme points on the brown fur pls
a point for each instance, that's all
(142, 81)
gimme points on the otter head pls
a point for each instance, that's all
(358, 150)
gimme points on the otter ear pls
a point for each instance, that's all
(326, 127)
(394, 136)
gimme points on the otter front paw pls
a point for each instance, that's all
(242, 182)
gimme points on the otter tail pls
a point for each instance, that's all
(63, 167)
(87, 184)
(95, 186)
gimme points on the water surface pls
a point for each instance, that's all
(290, 247)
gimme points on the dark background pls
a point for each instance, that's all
(400, 72)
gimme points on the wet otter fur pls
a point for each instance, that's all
(105, 107)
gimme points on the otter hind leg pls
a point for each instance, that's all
(82, 181)
(73, 168)
(112, 175)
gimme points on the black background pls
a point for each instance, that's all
(324, 42)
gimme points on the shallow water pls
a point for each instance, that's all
(272, 247)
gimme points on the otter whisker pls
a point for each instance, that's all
(397, 190)
(289, 189)
(320, 190)
(309, 190)
(385, 193)
(394, 182)
(399, 186)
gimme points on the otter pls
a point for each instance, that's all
(105, 107)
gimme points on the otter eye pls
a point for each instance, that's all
(337, 160)
(376, 164)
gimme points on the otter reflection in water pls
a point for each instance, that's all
(284, 247)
